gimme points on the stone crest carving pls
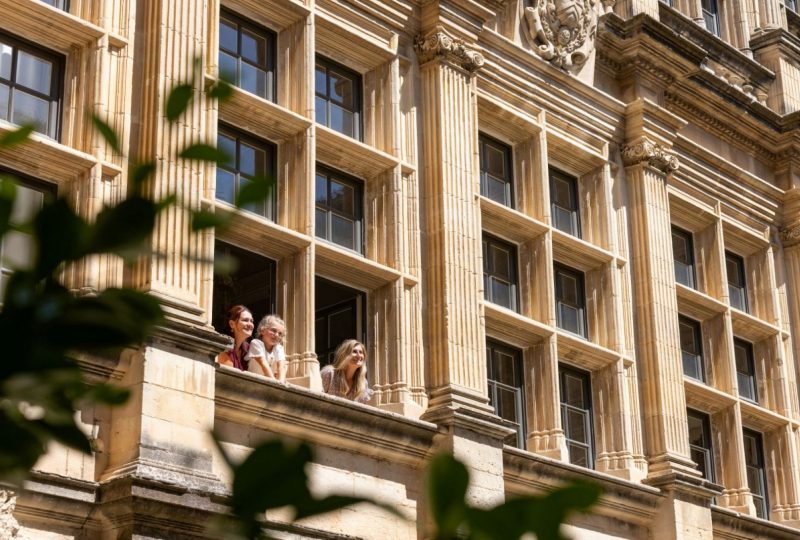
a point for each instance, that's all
(790, 235)
(563, 31)
(440, 44)
(650, 153)
(8, 525)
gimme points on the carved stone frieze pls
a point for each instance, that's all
(791, 235)
(563, 31)
(8, 524)
(650, 153)
(439, 44)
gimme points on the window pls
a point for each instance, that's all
(499, 272)
(700, 443)
(737, 285)
(576, 415)
(30, 86)
(247, 55)
(504, 370)
(17, 249)
(496, 176)
(252, 284)
(711, 16)
(338, 98)
(338, 315)
(570, 301)
(756, 472)
(564, 202)
(63, 5)
(248, 158)
(339, 209)
(745, 370)
(691, 349)
(791, 4)
(683, 256)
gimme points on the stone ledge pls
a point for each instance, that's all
(735, 526)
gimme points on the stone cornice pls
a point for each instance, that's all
(440, 45)
(651, 154)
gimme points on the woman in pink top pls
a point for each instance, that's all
(240, 326)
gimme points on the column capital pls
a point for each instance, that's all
(790, 235)
(438, 44)
(650, 153)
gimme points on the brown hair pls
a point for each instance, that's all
(233, 315)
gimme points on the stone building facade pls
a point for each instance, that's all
(568, 233)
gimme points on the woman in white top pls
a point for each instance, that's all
(266, 356)
(347, 376)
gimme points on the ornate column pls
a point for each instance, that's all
(452, 272)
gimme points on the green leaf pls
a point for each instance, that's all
(204, 152)
(315, 507)
(141, 172)
(16, 137)
(20, 448)
(62, 236)
(220, 90)
(124, 227)
(178, 100)
(447, 482)
(108, 394)
(8, 194)
(107, 133)
(204, 219)
(254, 191)
(69, 435)
(224, 264)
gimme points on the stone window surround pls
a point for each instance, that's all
(271, 154)
(243, 23)
(359, 229)
(512, 279)
(706, 450)
(485, 141)
(357, 108)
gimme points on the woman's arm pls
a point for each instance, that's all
(258, 356)
(224, 359)
(281, 363)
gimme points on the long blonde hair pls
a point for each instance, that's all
(340, 360)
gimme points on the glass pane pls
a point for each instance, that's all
(754, 480)
(320, 81)
(742, 355)
(501, 293)
(562, 193)
(733, 268)
(737, 297)
(343, 231)
(570, 319)
(684, 274)
(4, 95)
(225, 185)
(227, 68)
(34, 72)
(28, 201)
(321, 189)
(342, 121)
(578, 455)
(321, 111)
(691, 366)
(696, 431)
(501, 261)
(496, 190)
(227, 145)
(573, 391)
(495, 162)
(680, 248)
(254, 47)
(257, 207)
(18, 250)
(576, 426)
(5, 61)
(253, 80)
(564, 220)
(746, 386)
(688, 342)
(252, 160)
(342, 90)
(29, 109)
(507, 404)
(228, 36)
(504, 371)
(568, 292)
(342, 198)
(321, 223)
(699, 457)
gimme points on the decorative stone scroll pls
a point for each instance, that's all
(563, 31)
(653, 154)
(439, 44)
(791, 235)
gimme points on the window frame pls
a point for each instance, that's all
(579, 277)
(751, 373)
(56, 95)
(64, 7)
(358, 206)
(740, 289)
(518, 388)
(711, 18)
(575, 211)
(270, 65)
(707, 449)
(270, 150)
(689, 266)
(587, 413)
(358, 97)
(699, 357)
(508, 160)
(488, 240)
(760, 501)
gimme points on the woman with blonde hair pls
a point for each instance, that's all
(266, 356)
(347, 376)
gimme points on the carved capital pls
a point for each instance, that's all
(438, 44)
(790, 236)
(649, 153)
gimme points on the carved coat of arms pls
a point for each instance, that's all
(563, 31)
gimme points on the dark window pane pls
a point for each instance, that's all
(4, 97)
(30, 109)
(505, 388)
(226, 186)
(495, 161)
(321, 223)
(342, 197)
(343, 231)
(501, 293)
(320, 81)
(578, 455)
(254, 47)
(341, 120)
(249, 158)
(338, 102)
(252, 160)
(321, 189)
(576, 425)
(562, 193)
(228, 37)
(339, 210)
(504, 369)
(573, 394)
(248, 60)
(497, 190)
(253, 80)
(227, 145)
(499, 273)
(321, 111)
(341, 89)
(227, 67)
(507, 404)
(501, 263)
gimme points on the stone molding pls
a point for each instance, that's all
(649, 153)
(564, 32)
(790, 236)
(438, 44)
(8, 525)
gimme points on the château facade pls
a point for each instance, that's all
(568, 233)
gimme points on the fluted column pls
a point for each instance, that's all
(770, 14)
(451, 214)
